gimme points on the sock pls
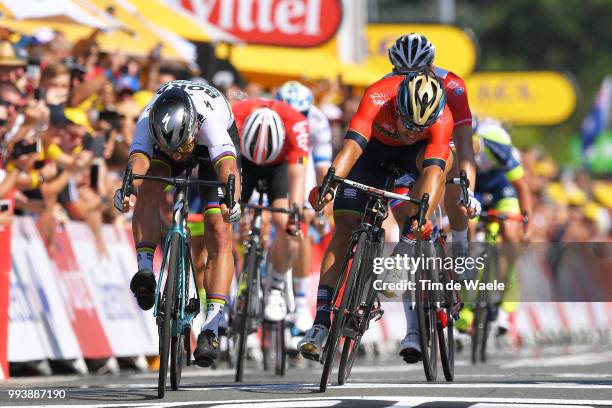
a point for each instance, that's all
(277, 280)
(412, 323)
(144, 255)
(407, 232)
(459, 236)
(324, 298)
(300, 286)
(202, 293)
(215, 304)
(459, 243)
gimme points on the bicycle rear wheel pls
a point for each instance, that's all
(242, 312)
(480, 324)
(446, 339)
(426, 316)
(358, 245)
(273, 347)
(168, 316)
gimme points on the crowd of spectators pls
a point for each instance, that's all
(68, 114)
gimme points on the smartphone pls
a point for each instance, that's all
(5, 205)
(93, 176)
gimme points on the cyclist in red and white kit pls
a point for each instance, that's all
(319, 159)
(274, 147)
(413, 52)
(400, 120)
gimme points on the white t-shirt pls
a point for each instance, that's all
(215, 116)
(320, 137)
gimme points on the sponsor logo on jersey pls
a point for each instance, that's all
(459, 91)
(350, 193)
(452, 85)
(443, 120)
(379, 98)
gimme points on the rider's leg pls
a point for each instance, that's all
(511, 234)
(458, 221)
(146, 230)
(301, 278)
(282, 254)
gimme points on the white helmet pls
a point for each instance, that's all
(410, 52)
(263, 136)
(297, 95)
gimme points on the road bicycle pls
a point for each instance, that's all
(358, 304)
(486, 303)
(248, 307)
(437, 303)
(174, 309)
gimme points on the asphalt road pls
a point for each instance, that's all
(551, 377)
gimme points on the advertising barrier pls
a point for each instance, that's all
(74, 304)
(5, 272)
(35, 278)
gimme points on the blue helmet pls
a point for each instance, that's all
(297, 95)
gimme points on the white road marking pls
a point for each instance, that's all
(403, 402)
(586, 359)
(368, 385)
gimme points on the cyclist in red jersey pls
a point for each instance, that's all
(401, 120)
(274, 147)
(414, 51)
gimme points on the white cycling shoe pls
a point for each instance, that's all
(410, 348)
(302, 320)
(276, 306)
(311, 345)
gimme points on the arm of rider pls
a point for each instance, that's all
(524, 196)
(296, 174)
(433, 184)
(224, 168)
(465, 156)
(343, 163)
(140, 165)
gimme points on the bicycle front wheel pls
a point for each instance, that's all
(243, 301)
(168, 314)
(426, 316)
(358, 246)
(361, 306)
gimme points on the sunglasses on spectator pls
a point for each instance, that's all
(3, 122)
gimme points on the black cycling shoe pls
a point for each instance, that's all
(207, 350)
(143, 287)
(411, 355)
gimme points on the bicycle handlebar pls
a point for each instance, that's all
(129, 177)
(331, 178)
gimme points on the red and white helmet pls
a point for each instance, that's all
(263, 136)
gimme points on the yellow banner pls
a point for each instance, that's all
(455, 50)
(522, 97)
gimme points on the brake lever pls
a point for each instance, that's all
(126, 186)
(464, 183)
(230, 188)
(423, 210)
(327, 180)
